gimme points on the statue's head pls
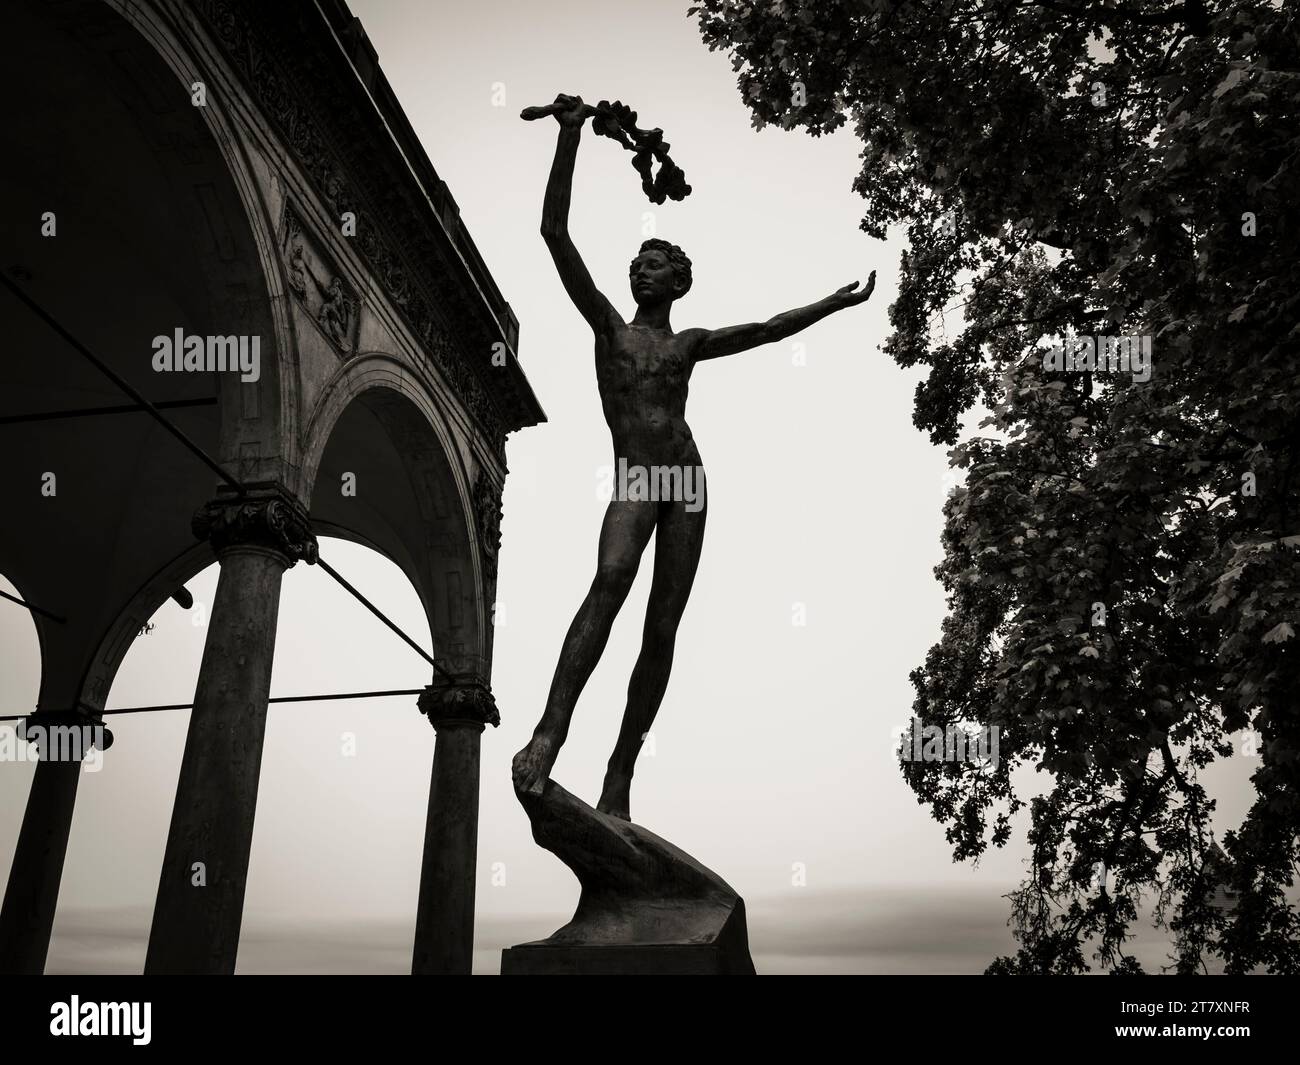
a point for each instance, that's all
(660, 273)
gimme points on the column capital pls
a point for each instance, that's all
(462, 699)
(265, 516)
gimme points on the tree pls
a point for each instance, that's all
(1123, 560)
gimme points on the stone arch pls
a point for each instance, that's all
(414, 497)
(102, 667)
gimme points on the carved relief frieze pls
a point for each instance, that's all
(317, 285)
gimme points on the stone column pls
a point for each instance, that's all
(458, 707)
(201, 890)
(27, 916)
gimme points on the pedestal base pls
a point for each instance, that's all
(728, 955)
(647, 907)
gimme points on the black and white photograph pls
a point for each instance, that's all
(366, 608)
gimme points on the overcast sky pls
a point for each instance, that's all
(773, 745)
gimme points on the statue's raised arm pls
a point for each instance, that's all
(571, 113)
(714, 343)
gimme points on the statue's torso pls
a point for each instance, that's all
(643, 376)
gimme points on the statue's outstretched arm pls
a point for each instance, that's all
(714, 343)
(594, 307)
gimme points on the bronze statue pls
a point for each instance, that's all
(643, 370)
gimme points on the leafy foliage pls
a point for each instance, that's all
(1125, 167)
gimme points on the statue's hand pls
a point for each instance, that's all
(571, 112)
(846, 297)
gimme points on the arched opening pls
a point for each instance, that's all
(335, 867)
(125, 223)
(382, 477)
(124, 806)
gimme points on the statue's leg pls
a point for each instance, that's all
(627, 529)
(678, 541)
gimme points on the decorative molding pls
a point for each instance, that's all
(267, 516)
(461, 699)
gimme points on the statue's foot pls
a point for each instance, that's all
(616, 796)
(532, 766)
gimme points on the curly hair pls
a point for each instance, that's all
(677, 259)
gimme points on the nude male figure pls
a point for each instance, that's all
(643, 370)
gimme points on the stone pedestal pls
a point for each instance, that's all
(458, 707)
(200, 903)
(646, 907)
